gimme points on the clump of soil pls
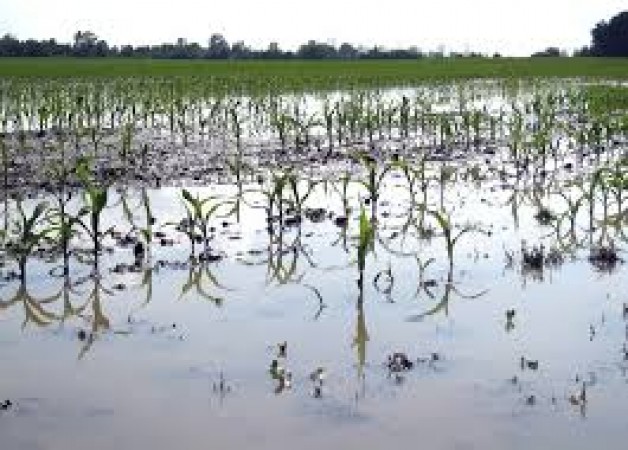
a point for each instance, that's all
(605, 258)
(537, 258)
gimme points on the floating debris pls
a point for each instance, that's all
(292, 221)
(139, 251)
(282, 349)
(544, 216)
(431, 359)
(534, 258)
(315, 215)
(399, 362)
(7, 404)
(604, 257)
(209, 257)
(341, 222)
(579, 399)
(284, 383)
(510, 319)
(317, 377)
(529, 364)
(317, 392)
(221, 387)
(274, 367)
(82, 335)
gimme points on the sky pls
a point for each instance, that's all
(510, 27)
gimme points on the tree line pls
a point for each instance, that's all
(88, 44)
(608, 39)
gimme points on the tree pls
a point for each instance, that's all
(239, 50)
(126, 50)
(10, 46)
(584, 51)
(218, 47)
(611, 38)
(317, 50)
(549, 52)
(101, 48)
(273, 51)
(85, 43)
(377, 52)
(348, 51)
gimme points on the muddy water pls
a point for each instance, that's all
(139, 360)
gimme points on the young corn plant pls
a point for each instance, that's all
(366, 244)
(281, 124)
(199, 212)
(299, 198)
(444, 222)
(617, 179)
(5, 190)
(27, 232)
(446, 174)
(374, 181)
(145, 231)
(4, 156)
(89, 216)
(413, 176)
(61, 221)
(302, 129)
(276, 196)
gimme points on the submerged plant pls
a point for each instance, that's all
(27, 232)
(444, 222)
(95, 200)
(374, 181)
(199, 212)
(366, 243)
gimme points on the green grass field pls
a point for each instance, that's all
(299, 75)
(426, 69)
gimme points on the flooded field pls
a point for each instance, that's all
(437, 266)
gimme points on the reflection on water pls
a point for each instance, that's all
(461, 322)
(451, 303)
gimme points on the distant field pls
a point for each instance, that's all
(410, 70)
(297, 75)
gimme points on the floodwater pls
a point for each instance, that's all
(177, 354)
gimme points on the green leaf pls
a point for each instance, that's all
(187, 196)
(100, 201)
